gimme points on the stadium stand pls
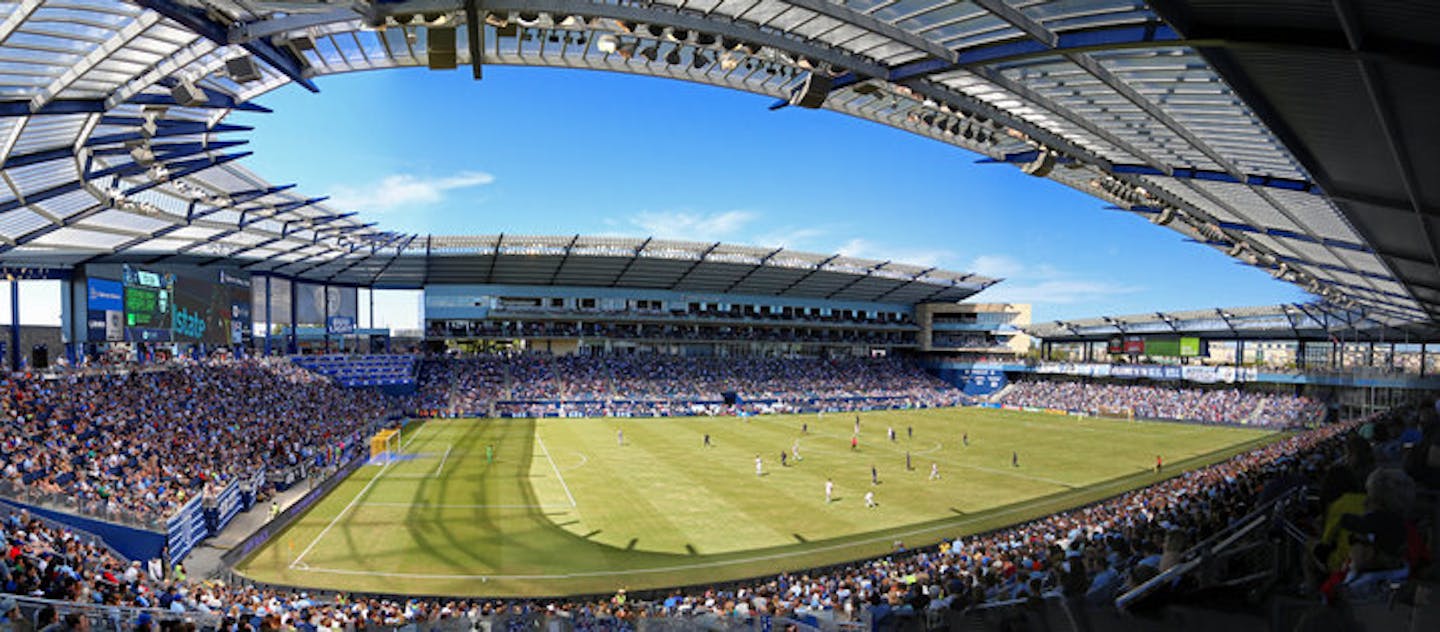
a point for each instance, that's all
(134, 445)
(362, 370)
(1073, 564)
(538, 385)
(1222, 405)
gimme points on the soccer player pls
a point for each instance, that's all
(965, 438)
(870, 500)
(829, 490)
(490, 453)
(934, 471)
(907, 461)
(874, 475)
(1014, 459)
(1159, 464)
(910, 432)
(854, 443)
(857, 424)
(783, 456)
(795, 451)
(707, 439)
(759, 466)
(890, 432)
(805, 428)
(620, 437)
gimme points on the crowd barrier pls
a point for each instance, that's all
(114, 618)
(132, 542)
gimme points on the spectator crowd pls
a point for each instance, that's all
(665, 385)
(1215, 405)
(136, 445)
(1089, 555)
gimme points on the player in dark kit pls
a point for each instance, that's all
(1014, 459)
(707, 440)
(874, 475)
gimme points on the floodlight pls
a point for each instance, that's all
(607, 44)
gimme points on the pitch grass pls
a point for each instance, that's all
(565, 509)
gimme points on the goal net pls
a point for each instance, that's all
(385, 445)
(1116, 412)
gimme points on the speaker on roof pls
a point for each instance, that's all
(811, 94)
(440, 48)
(186, 94)
(242, 69)
(1164, 217)
(1041, 165)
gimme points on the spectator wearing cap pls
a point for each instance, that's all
(10, 616)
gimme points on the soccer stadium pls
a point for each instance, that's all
(393, 397)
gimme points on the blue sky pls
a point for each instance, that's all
(548, 151)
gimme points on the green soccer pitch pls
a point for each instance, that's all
(566, 508)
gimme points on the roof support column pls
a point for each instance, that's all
(292, 346)
(14, 325)
(269, 300)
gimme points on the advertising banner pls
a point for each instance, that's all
(340, 325)
(1134, 345)
(105, 308)
(1189, 347)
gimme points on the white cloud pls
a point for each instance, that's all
(403, 191)
(866, 249)
(1040, 283)
(792, 238)
(996, 266)
(1054, 292)
(690, 225)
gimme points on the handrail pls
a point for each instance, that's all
(118, 615)
(1212, 545)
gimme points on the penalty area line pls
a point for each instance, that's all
(563, 486)
(333, 521)
(296, 563)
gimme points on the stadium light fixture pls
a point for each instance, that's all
(607, 43)
(650, 53)
(673, 57)
(528, 18)
(700, 60)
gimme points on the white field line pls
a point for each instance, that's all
(583, 460)
(353, 502)
(541, 443)
(338, 516)
(889, 537)
(443, 459)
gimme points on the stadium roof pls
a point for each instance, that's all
(1288, 134)
(1291, 321)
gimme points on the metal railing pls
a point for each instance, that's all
(117, 618)
(1222, 545)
